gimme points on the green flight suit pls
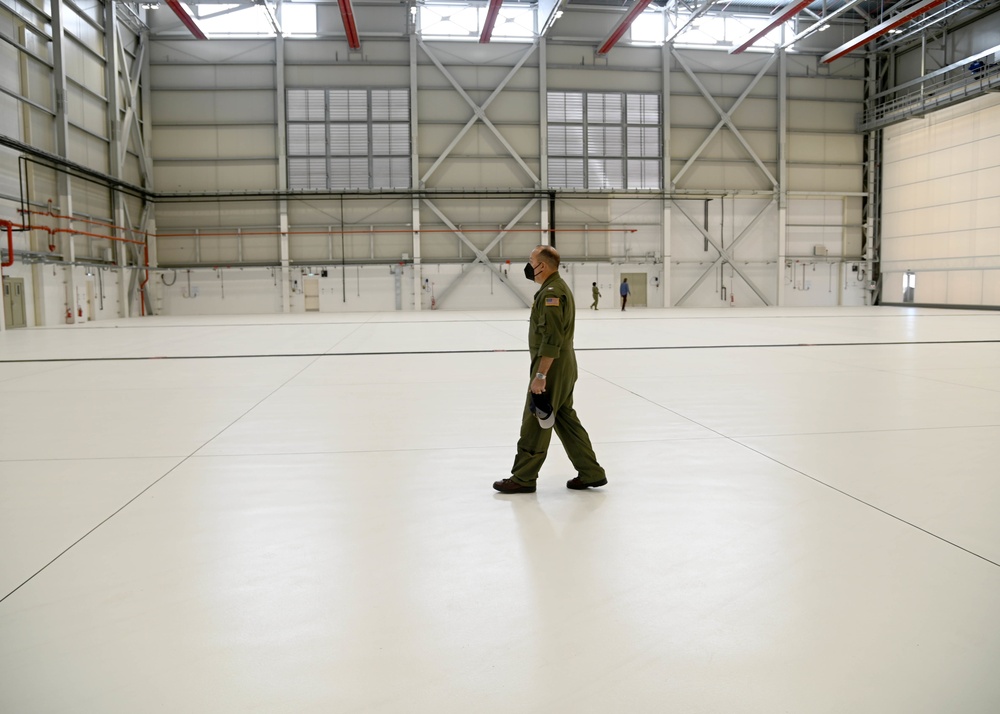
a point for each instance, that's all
(550, 334)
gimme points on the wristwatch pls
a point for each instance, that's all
(539, 375)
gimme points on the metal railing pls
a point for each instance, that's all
(936, 92)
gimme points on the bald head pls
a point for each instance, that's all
(548, 255)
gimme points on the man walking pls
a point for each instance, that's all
(625, 292)
(549, 404)
(597, 294)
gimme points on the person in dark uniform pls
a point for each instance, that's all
(597, 294)
(625, 291)
(550, 394)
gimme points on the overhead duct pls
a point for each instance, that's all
(347, 15)
(879, 30)
(788, 12)
(491, 20)
(622, 27)
(185, 16)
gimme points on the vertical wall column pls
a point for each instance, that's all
(418, 280)
(282, 177)
(872, 210)
(144, 145)
(116, 142)
(545, 237)
(35, 242)
(782, 186)
(665, 245)
(65, 207)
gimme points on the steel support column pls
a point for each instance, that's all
(118, 133)
(544, 237)
(418, 273)
(782, 172)
(283, 249)
(63, 188)
(665, 229)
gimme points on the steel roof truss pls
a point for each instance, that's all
(695, 14)
(882, 28)
(786, 13)
(821, 21)
(726, 117)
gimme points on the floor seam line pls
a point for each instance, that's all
(735, 441)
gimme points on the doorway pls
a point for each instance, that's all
(14, 310)
(310, 286)
(637, 286)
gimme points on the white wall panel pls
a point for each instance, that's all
(822, 88)
(759, 113)
(194, 52)
(322, 52)
(201, 292)
(807, 115)
(346, 76)
(209, 176)
(87, 111)
(187, 77)
(825, 178)
(83, 67)
(825, 148)
(941, 205)
(236, 107)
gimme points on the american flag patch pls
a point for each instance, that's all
(551, 302)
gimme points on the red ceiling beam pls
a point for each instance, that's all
(347, 15)
(622, 27)
(786, 13)
(879, 30)
(187, 18)
(491, 20)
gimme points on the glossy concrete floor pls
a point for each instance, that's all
(294, 514)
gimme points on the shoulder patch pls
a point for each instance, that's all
(551, 302)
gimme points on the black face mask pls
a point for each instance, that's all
(529, 271)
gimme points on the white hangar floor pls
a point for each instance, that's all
(295, 514)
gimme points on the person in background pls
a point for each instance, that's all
(625, 292)
(597, 294)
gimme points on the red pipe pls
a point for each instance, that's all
(623, 26)
(491, 20)
(189, 22)
(75, 232)
(10, 243)
(50, 214)
(347, 15)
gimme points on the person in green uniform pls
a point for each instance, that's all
(553, 375)
(597, 294)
